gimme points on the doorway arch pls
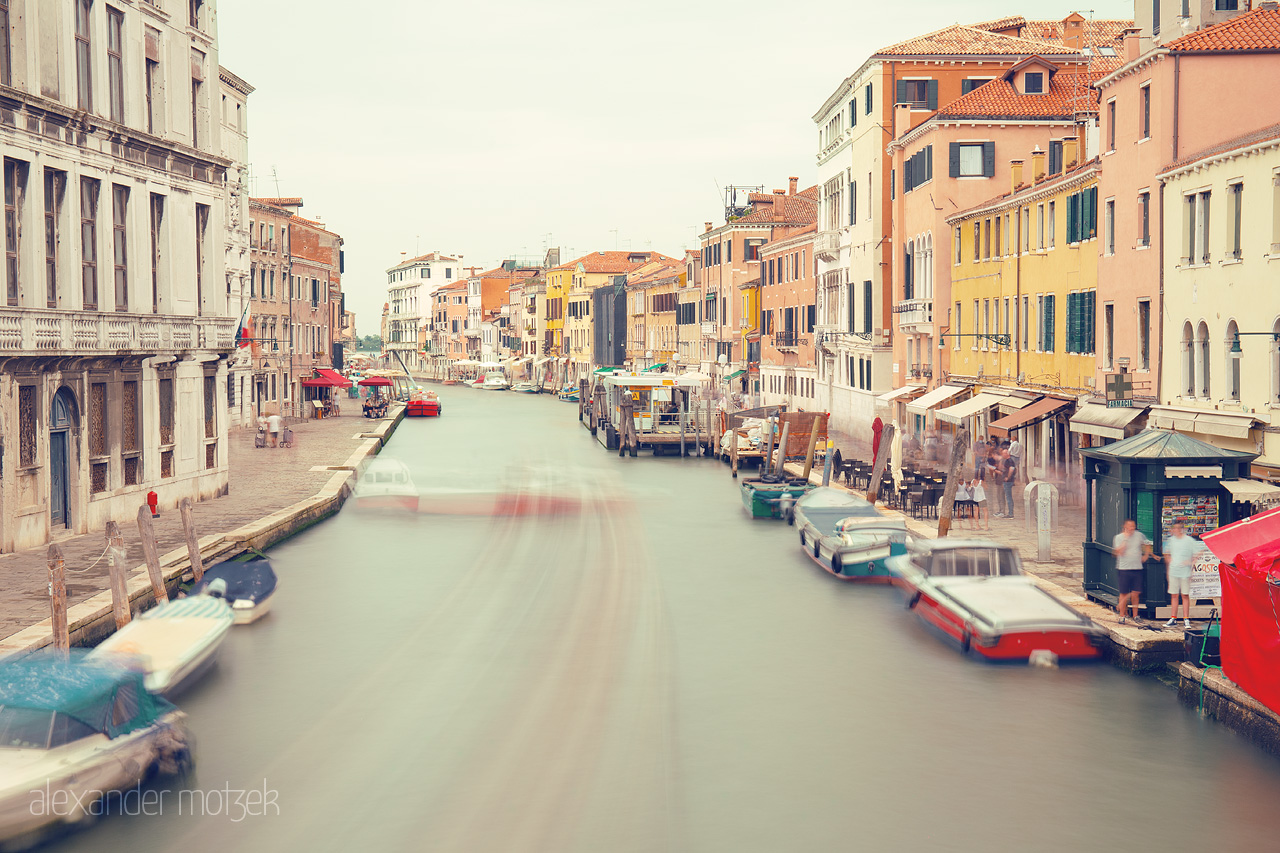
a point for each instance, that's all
(62, 417)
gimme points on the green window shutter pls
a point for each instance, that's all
(853, 113)
(989, 159)
(1049, 323)
(931, 93)
(902, 92)
(954, 157)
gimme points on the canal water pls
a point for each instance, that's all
(655, 672)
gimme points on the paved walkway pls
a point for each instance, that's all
(263, 480)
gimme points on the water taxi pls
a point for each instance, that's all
(974, 593)
(385, 484)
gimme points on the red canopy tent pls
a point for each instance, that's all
(376, 382)
(1250, 553)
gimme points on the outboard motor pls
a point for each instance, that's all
(217, 588)
(786, 507)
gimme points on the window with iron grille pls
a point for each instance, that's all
(165, 394)
(98, 419)
(166, 463)
(210, 412)
(27, 425)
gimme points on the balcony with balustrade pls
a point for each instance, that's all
(914, 316)
(44, 332)
(826, 245)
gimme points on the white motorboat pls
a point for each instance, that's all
(385, 484)
(250, 586)
(176, 642)
(494, 382)
(526, 388)
(71, 732)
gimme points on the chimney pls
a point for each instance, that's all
(793, 182)
(1015, 174)
(1132, 44)
(706, 227)
(1070, 156)
(779, 192)
(1073, 31)
(1037, 165)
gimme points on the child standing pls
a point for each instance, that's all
(980, 505)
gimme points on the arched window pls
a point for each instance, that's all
(928, 264)
(1188, 361)
(1202, 360)
(1231, 369)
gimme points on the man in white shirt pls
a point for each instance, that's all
(1130, 547)
(1180, 552)
(1015, 452)
(273, 427)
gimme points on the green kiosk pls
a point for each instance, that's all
(1156, 477)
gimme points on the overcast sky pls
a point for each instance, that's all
(496, 129)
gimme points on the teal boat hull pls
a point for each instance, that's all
(764, 500)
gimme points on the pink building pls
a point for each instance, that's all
(1157, 108)
(788, 291)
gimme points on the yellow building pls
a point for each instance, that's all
(1021, 324)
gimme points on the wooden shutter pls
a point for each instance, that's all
(906, 272)
(849, 309)
(931, 93)
(1048, 323)
(1073, 218)
(909, 175)
(989, 159)
(903, 97)
(1055, 157)
(866, 306)
(954, 157)
(853, 112)
(868, 99)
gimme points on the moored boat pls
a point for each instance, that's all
(526, 388)
(569, 394)
(176, 642)
(423, 404)
(772, 496)
(858, 548)
(72, 732)
(250, 586)
(973, 592)
(493, 382)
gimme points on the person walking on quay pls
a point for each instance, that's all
(1008, 471)
(964, 498)
(1180, 552)
(979, 494)
(273, 427)
(1015, 450)
(1130, 547)
(994, 478)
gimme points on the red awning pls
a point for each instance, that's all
(316, 383)
(1030, 414)
(1247, 534)
(335, 378)
(376, 381)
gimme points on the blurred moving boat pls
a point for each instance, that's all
(250, 585)
(423, 404)
(73, 731)
(974, 593)
(385, 484)
(859, 547)
(175, 642)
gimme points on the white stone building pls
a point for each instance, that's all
(114, 330)
(234, 117)
(855, 353)
(410, 285)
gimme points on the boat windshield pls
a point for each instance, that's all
(974, 562)
(38, 728)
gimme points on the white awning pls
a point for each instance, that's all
(957, 413)
(935, 398)
(1253, 491)
(1097, 419)
(1013, 402)
(1225, 424)
(541, 360)
(900, 392)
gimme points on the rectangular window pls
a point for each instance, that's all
(1155, 17)
(14, 189)
(1111, 125)
(969, 159)
(193, 9)
(157, 222)
(866, 308)
(89, 242)
(955, 339)
(120, 243)
(1111, 226)
(969, 84)
(976, 326)
(918, 94)
(1008, 330)
(27, 418)
(1053, 222)
(1055, 157)
(1236, 195)
(986, 239)
(1144, 211)
(1145, 118)
(54, 185)
(986, 321)
(1049, 320)
(202, 252)
(115, 63)
(1026, 323)
(151, 72)
(867, 94)
(977, 241)
(1040, 226)
(996, 244)
(1109, 334)
(1226, 5)
(1033, 82)
(1144, 333)
(1008, 233)
(84, 56)
(6, 51)
(959, 245)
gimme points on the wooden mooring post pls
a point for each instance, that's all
(627, 439)
(193, 545)
(597, 407)
(882, 459)
(948, 502)
(813, 446)
(58, 601)
(782, 449)
(119, 588)
(684, 418)
(152, 555)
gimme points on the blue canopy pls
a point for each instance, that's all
(252, 579)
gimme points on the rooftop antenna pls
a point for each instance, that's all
(276, 178)
(417, 239)
(614, 232)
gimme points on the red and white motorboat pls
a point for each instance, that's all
(974, 593)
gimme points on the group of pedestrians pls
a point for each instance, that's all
(997, 465)
(1132, 549)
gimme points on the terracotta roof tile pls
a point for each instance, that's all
(1257, 30)
(430, 256)
(798, 209)
(1246, 140)
(280, 202)
(612, 262)
(1107, 31)
(1069, 92)
(960, 40)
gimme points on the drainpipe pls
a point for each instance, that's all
(1017, 298)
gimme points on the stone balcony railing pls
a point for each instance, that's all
(913, 312)
(826, 245)
(52, 332)
(709, 329)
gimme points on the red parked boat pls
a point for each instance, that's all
(974, 593)
(423, 404)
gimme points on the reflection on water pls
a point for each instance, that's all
(656, 672)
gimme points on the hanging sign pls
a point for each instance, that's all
(1205, 580)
